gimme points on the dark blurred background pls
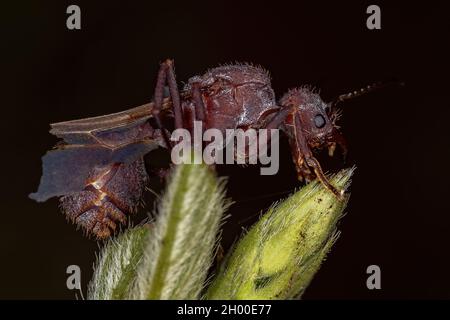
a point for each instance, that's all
(398, 215)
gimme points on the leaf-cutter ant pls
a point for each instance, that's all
(98, 170)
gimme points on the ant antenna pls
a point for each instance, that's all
(372, 87)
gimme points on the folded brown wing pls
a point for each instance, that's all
(94, 143)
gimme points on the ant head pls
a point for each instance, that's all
(315, 115)
(317, 118)
(314, 119)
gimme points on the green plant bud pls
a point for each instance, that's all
(282, 252)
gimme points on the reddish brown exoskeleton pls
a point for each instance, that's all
(98, 170)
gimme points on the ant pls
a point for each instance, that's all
(98, 169)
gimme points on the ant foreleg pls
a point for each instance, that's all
(338, 138)
(304, 152)
(278, 119)
(315, 165)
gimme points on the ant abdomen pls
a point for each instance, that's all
(111, 193)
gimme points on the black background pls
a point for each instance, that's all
(398, 215)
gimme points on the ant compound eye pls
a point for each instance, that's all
(319, 121)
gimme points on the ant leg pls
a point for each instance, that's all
(278, 119)
(199, 108)
(174, 94)
(166, 73)
(198, 102)
(158, 96)
(275, 123)
(305, 152)
(339, 139)
(313, 163)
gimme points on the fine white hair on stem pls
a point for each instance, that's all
(116, 265)
(181, 246)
